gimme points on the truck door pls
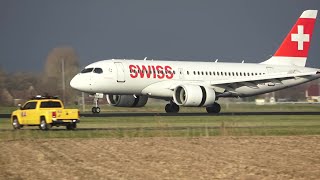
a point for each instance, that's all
(120, 72)
(28, 113)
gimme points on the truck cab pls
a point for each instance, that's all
(45, 112)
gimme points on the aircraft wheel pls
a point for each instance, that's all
(215, 108)
(95, 110)
(168, 108)
(172, 108)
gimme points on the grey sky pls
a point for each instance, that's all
(231, 30)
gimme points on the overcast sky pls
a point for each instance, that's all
(231, 30)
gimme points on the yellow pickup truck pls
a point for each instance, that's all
(45, 112)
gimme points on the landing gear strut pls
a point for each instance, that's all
(172, 107)
(96, 108)
(214, 108)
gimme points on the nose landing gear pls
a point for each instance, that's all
(96, 109)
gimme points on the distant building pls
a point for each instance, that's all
(313, 93)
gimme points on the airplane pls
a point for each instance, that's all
(129, 83)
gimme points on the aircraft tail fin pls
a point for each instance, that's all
(295, 47)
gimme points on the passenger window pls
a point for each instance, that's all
(98, 70)
(87, 70)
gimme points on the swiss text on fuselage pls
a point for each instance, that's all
(154, 71)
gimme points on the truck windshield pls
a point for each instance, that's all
(50, 104)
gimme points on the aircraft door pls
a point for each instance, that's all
(120, 72)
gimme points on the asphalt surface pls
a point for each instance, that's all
(198, 114)
(189, 114)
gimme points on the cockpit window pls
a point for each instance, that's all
(98, 70)
(87, 70)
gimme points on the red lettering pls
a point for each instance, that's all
(146, 71)
(140, 71)
(133, 72)
(154, 71)
(160, 72)
(169, 74)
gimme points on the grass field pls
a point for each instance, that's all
(225, 107)
(170, 147)
(158, 126)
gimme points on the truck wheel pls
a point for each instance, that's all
(15, 123)
(71, 126)
(44, 125)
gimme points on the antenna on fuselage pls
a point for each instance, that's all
(216, 60)
(145, 58)
(242, 61)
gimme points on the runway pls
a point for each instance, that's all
(146, 114)
(199, 114)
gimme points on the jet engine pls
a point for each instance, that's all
(126, 100)
(194, 95)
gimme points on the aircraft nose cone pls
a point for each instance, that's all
(74, 83)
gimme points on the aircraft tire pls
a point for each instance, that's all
(95, 110)
(172, 108)
(215, 108)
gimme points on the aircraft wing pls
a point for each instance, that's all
(221, 85)
(264, 78)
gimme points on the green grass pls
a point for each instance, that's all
(159, 126)
(230, 107)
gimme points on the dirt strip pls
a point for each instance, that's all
(293, 157)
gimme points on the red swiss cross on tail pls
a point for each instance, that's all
(295, 47)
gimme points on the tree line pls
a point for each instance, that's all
(18, 87)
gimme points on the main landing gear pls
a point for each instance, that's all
(214, 108)
(172, 107)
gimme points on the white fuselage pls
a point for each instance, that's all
(158, 78)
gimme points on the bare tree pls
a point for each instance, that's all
(61, 65)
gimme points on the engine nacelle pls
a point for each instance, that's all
(126, 100)
(193, 95)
